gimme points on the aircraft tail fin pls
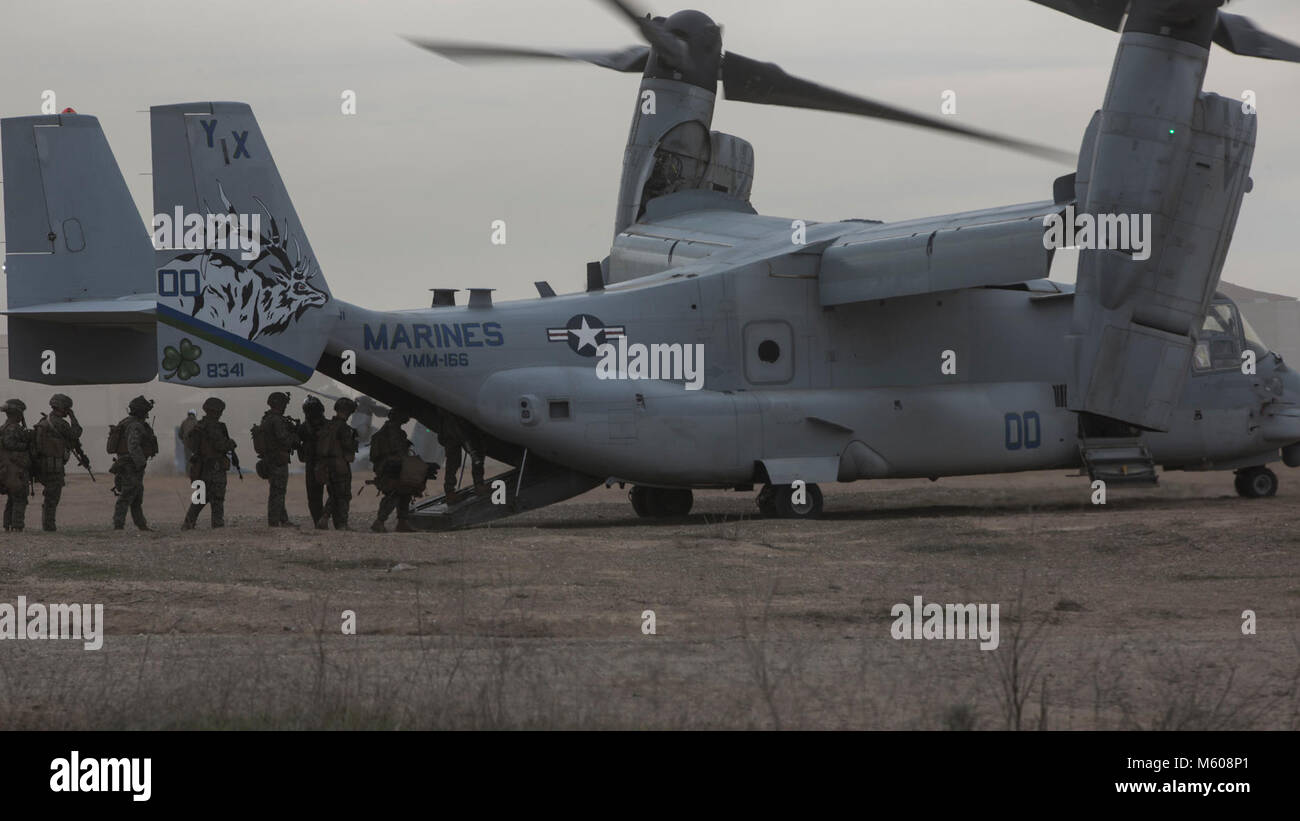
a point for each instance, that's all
(241, 299)
(78, 265)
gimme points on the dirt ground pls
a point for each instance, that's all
(1128, 615)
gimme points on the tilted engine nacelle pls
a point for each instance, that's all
(1163, 150)
(670, 147)
(687, 157)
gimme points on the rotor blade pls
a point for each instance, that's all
(751, 81)
(629, 59)
(1240, 36)
(1233, 32)
(667, 43)
(1105, 13)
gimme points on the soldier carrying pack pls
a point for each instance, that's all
(57, 437)
(16, 443)
(213, 451)
(132, 443)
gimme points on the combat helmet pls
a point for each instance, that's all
(61, 401)
(213, 405)
(345, 404)
(311, 406)
(14, 406)
(278, 400)
(140, 406)
(399, 415)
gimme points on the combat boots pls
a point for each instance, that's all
(378, 527)
(403, 527)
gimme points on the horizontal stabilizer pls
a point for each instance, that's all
(57, 353)
(138, 312)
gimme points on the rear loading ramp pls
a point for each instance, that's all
(534, 484)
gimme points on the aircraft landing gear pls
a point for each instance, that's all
(660, 502)
(1256, 483)
(779, 501)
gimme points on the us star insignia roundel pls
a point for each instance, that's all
(585, 333)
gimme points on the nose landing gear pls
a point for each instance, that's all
(788, 502)
(1256, 483)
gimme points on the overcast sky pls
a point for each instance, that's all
(400, 197)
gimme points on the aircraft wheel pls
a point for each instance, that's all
(642, 499)
(675, 501)
(1256, 483)
(661, 503)
(767, 501)
(786, 507)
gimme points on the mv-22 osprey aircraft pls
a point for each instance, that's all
(832, 351)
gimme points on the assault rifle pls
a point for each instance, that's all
(83, 460)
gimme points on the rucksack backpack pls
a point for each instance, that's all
(119, 438)
(116, 439)
(150, 443)
(378, 448)
(259, 439)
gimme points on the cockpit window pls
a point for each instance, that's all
(1253, 339)
(1223, 336)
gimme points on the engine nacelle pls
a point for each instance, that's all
(731, 167)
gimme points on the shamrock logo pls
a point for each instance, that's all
(183, 363)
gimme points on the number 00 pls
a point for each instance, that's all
(1022, 430)
(178, 283)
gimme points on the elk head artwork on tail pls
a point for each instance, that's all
(249, 298)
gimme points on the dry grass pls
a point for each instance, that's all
(1121, 619)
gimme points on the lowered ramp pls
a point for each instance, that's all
(535, 483)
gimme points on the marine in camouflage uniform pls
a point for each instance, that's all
(211, 443)
(136, 444)
(15, 463)
(336, 447)
(280, 438)
(387, 449)
(191, 419)
(456, 434)
(309, 430)
(57, 435)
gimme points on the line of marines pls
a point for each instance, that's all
(327, 448)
